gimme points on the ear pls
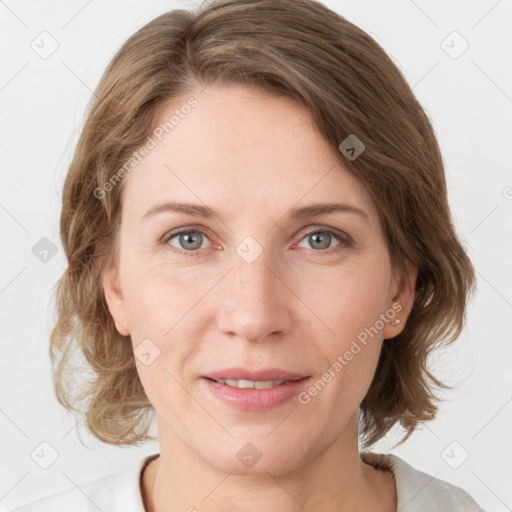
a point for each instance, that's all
(402, 302)
(114, 297)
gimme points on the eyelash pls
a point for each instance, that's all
(344, 239)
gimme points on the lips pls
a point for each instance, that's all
(258, 390)
(269, 374)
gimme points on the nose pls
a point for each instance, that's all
(256, 300)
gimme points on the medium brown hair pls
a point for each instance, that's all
(294, 48)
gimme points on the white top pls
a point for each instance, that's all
(120, 492)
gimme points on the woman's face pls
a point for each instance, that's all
(256, 285)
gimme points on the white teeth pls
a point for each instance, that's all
(248, 384)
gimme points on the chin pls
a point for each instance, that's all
(256, 456)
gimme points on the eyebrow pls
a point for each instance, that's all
(302, 212)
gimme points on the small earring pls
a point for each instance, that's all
(396, 321)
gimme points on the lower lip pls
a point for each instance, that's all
(255, 399)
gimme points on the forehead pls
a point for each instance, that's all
(238, 148)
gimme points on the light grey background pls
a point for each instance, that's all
(468, 99)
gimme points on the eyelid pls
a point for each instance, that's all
(318, 228)
(345, 241)
(344, 238)
(186, 229)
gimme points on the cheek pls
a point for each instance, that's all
(350, 306)
(162, 314)
(155, 300)
(164, 341)
(350, 301)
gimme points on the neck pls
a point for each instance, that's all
(335, 480)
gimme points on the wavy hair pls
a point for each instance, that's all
(302, 50)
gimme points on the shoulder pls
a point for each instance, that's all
(112, 493)
(418, 491)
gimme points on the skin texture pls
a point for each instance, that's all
(298, 306)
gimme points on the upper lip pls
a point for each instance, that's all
(261, 375)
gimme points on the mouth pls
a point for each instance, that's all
(254, 391)
(253, 384)
(242, 374)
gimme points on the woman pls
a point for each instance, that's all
(261, 252)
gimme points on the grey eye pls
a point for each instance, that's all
(321, 239)
(188, 240)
